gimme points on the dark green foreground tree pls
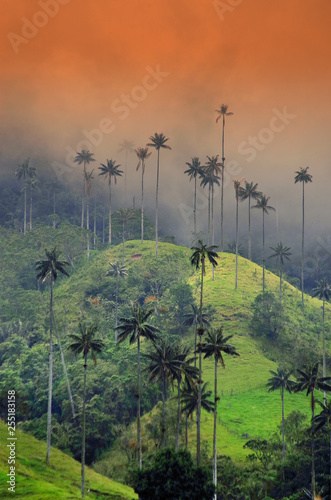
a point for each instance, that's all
(172, 476)
(85, 343)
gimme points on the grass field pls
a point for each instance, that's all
(61, 479)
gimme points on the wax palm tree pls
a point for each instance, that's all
(281, 379)
(186, 373)
(158, 142)
(236, 185)
(54, 187)
(123, 216)
(262, 204)
(192, 399)
(281, 253)
(48, 270)
(303, 176)
(117, 271)
(85, 158)
(209, 178)
(199, 256)
(137, 326)
(222, 113)
(193, 171)
(249, 192)
(192, 319)
(32, 185)
(323, 291)
(25, 172)
(126, 147)
(88, 178)
(143, 154)
(215, 167)
(215, 346)
(309, 380)
(110, 170)
(164, 366)
(324, 420)
(85, 343)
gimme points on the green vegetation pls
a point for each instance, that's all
(61, 479)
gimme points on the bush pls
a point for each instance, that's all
(173, 476)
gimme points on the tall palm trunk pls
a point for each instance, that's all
(222, 190)
(24, 228)
(54, 210)
(95, 225)
(212, 224)
(237, 210)
(157, 206)
(163, 424)
(249, 230)
(109, 211)
(116, 317)
(178, 415)
(215, 434)
(263, 260)
(313, 445)
(303, 243)
(50, 378)
(280, 283)
(123, 243)
(88, 226)
(200, 332)
(83, 430)
(186, 433)
(83, 199)
(30, 210)
(142, 205)
(195, 206)
(138, 410)
(208, 215)
(64, 370)
(324, 364)
(283, 423)
(195, 342)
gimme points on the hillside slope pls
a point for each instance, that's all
(35, 480)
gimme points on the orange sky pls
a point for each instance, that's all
(257, 56)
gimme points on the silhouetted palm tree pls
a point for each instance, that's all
(32, 185)
(143, 155)
(127, 147)
(117, 271)
(262, 204)
(309, 380)
(214, 167)
(123, 215)
(249, 191)
(199, 256)
(158, 142)
(25, 172)
(85, 343)
(222, 113)
(193, 171)
(303, 176)
(281, 253)
(192, 319)
(281, 380)
(110, 170)
(137, 326)
(236, 185)
(209, 179)
(85, 158)
(88, 177)
(323, 291)
(216, 345)
(192, 398)
(164, 366)
(48, 270)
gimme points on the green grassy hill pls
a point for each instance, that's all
(245, 407)
(61, 479)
